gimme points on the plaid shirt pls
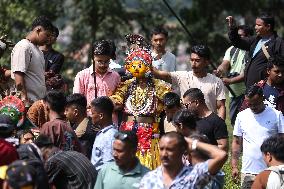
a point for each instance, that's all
(189, 177)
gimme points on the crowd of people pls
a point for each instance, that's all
(144, 125)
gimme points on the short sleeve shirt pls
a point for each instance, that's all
(237, 61)
(102, 147)
(211, 86)
(213, 127)
(189, 177)
(28, 59)
(254, 129)
(111, 176)
(166, 63)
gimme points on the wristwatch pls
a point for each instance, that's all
(194, 144)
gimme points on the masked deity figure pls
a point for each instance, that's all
(141, 99)
(15, 108)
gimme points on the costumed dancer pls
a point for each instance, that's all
(141, 99)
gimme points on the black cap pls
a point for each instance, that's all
(20, 174)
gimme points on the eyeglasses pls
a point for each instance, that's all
(120, 136)
(100, 62)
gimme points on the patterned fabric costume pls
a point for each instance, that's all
(142, 99)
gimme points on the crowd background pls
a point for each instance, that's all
(82, 22)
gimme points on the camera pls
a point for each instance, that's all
(233, 74)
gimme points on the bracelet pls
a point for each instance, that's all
(194, 144)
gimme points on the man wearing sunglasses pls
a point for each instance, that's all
(126, 171)
(208, 123)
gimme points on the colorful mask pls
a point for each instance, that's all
(13, 107)
(138, 63)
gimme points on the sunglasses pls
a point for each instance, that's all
(120, 136)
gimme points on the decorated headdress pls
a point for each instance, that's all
(138, 40)
(141, 55)
(13, 107)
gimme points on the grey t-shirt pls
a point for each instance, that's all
(28, 59)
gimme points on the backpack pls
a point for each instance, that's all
(279, 172)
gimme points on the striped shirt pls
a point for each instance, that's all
(70, 170)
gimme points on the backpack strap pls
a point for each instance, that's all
(265, 52)
(279, 172)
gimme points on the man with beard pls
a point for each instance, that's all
(126, 171)
(211, 86)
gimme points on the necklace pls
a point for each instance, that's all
(141, 101)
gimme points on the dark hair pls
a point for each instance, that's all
(186, 118)
(201, 138)
(180, 138)
(128, 137)
(103, 104)
(194, 94)
(44, 22)
(53, 81)
(21, 133)
(159, 30)
(276, 60)
(56, 100)
(201, 50)
(275, 146)
(247, 30)
(20, 173)
(102, 47)
(78, 100)
(55, 31)
(254, 90)
(113, 49)
(43, 141)
(171, 100)
(267, 19)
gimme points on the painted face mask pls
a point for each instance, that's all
(138, 63)
(13, 107)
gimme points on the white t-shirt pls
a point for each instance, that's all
(255, 128)
(28, 59)
(166, 63)
(273, 181)
(211, 86)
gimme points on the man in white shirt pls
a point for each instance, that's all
(211, 86)
(252, 127)
(163, 60)
(27, 61)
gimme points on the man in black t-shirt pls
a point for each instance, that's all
(53, 59)
(208, 123)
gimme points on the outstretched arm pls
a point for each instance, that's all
(166, 76)
(242, 43)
